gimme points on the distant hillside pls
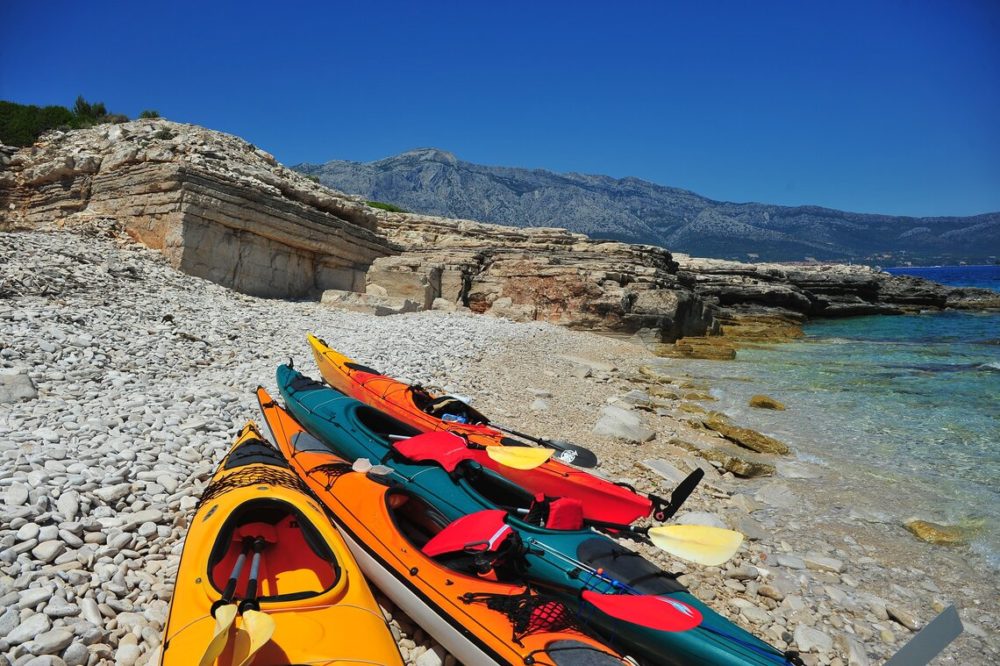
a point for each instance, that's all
(437, 183)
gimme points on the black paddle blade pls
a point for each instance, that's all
(664, 510)
(572, 454)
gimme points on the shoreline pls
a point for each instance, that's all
(798, 513)
(143, 375)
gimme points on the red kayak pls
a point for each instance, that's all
(603, 501)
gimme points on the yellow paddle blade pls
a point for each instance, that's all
(260, 627)
(224, 616)
(703, 544)
(519, 457)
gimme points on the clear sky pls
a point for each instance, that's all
(884, 106)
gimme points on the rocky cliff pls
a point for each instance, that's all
(217, 206)
(223, 209)
(435, 182)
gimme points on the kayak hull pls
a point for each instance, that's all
(427, 591)
(602, 500)
(309, 583)
(553, 557)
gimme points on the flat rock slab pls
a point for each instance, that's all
(664, 469)
(15, 386)
(618, 423)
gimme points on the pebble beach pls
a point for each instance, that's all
(125, 381)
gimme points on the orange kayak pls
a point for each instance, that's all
(602, 500)
(479, 611)
(266, 579)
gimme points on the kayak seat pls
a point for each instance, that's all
(480, 532)
(565, 513)
(442, 447)
(476, 544)
(296, 563)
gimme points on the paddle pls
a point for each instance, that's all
(519, 457)
(259, 626)
(929, 642)
(664, 509)
(702, 544)
(448, 450)
(648, 610)
(224, 617)
(224, 611)
(569, 453)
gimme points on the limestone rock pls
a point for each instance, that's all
(214, 208)
(368, 303)
(936, 533)
(745, 437)
(16, 385)
(765, 402)
(28, 629)
(812, 640)
(619, 423)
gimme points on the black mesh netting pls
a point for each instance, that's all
(255, 475)
(333, 471)
(529, 612)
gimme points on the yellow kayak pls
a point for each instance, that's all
(265, 579)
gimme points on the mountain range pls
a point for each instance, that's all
(436, 182)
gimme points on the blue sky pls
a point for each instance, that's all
(890, 107)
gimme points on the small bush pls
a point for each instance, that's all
(149, 113)
(313, 178)
(386, 206)
(163, 134)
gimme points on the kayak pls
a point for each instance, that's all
(557, 552)
(602, 500)
(478, 618)
(265, 578)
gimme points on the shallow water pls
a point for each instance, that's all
(907, 407)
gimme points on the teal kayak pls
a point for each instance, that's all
(569, 563)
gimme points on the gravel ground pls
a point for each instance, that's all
(134, 378)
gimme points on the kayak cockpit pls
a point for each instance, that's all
(295, 561)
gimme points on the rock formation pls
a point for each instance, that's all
(217, 206)
(223, 209)
(538, 274)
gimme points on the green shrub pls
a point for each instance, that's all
(21, 124)
(386, 206)
(164, 134)
(149, 113)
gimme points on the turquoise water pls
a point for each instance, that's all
(908, 401)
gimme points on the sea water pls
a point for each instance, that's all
(907, 407)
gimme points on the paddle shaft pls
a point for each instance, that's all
(250, 598)
(227, 593)
(582, 456)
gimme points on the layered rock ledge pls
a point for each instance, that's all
(216, 206)
(223, 209)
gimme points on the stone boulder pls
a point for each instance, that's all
(745, 437)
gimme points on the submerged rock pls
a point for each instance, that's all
(745, 437)
(766, 402)
(936, 533)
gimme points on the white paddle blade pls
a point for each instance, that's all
(519, 457)
(701, 544)
(361, 465)
(224, 616)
